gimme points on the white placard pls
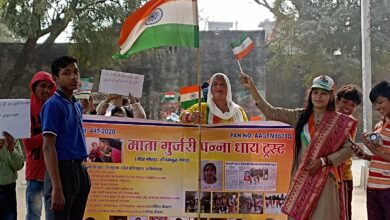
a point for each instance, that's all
(114, 82)
(15, 117)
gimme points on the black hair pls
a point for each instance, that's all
(205, 90)
(380, 89)
(129, 112)
(116, 110)
(213, 166)
(61, 62)
(350, 92)
(125, 101)
(35, 84)
(304, 118)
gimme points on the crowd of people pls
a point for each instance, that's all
(324, 144)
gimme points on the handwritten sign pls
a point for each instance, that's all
(114, 82)
(15, 117)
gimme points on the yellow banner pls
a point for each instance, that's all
(148, 170)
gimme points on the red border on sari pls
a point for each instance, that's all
(306, 188)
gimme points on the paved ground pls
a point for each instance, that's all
(358, 202)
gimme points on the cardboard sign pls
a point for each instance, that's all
(114, 82)
(15, 117)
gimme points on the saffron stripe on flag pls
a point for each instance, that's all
(175, 20)
(140, 14)
(242, 47)
(188, 96)
(189, 89)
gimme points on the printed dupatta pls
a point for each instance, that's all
(306, 188)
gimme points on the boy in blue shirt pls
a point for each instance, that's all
(67, 183)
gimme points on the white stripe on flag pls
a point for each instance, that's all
(243, 46)
(173, 12)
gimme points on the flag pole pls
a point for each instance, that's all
(239, 65)
(198, 70)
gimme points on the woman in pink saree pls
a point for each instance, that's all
(320, 149)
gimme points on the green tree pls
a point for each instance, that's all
(324, 37)
(313, 37)
(94, 23)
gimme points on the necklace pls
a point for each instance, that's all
(317, 119)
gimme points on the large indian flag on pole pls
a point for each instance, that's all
(189, 96)
(160, 23)
(242, 46)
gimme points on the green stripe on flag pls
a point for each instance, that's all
(238, 42)
(189, 103)
(164, 35)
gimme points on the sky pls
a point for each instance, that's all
(247, 13)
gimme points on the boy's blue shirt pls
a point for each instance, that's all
(63, 118)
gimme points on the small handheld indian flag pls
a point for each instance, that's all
(160, 23)
(242, 46)
(169, 96)
(85, 88)
(189, 96)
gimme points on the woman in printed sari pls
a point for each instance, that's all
(219, 107)
(320, 148)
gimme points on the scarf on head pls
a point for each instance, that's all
(36, 103)
(234, 109)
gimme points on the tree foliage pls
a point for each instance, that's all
(94, 22)
(324, 37)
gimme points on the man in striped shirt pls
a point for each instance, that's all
(378, 187)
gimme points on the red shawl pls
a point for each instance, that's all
(306, 188)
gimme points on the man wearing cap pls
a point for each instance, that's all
(321, 146)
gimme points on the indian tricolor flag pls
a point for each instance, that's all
(169, 96)
(189, 96)
(242, 47)
(160, 23)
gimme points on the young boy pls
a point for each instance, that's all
(67, 183)
(42, 88)
(348, 97)
(11, 160)
(378, 186)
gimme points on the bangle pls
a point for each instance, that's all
(323, 161)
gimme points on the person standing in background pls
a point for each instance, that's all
(348, 97)
(11, 160)
(42, 88)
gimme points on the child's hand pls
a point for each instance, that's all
(9, 140)
(111, 97)
(358, 152)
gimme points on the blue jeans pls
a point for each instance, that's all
(34, 199)
(8, 202)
